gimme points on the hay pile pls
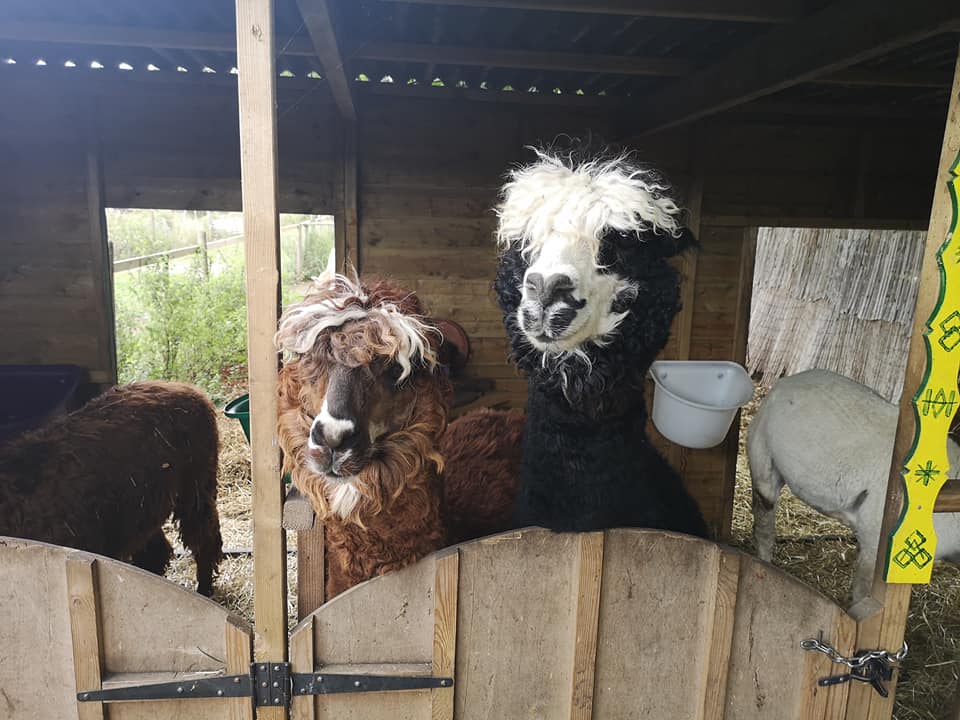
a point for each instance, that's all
(233, 587)
(933, 627)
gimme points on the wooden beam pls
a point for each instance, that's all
(99, 245)
(753, 11)
(886, 77)
(846, 33)
(132, 36)
(351, 218)
(316, 18)
(258, 168)
(524, 60)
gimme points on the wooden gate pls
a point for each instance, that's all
(72, 621)
(622, 624)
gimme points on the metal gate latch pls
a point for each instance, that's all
(869, 666)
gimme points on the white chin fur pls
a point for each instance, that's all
(343, 498)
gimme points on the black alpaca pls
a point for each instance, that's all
(588, 299)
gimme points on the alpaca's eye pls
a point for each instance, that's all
(394, 372)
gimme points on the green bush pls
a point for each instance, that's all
(178, 325)
(177, 322)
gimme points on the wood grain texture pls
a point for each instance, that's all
(311, 569)
(239, 647)
(85, 631)
(719, 637)
(258, 143)
(302, 661)
(589, 570)
(446, 587)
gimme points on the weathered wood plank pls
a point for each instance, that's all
(238, 645)
(311, 569)
(302, 661)
(85, 631)
(720, 637)
(648, 608)
(446, 586)
(589, 569)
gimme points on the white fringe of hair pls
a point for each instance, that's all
(550, 197)
(303, 322)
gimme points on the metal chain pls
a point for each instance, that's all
(860, 660)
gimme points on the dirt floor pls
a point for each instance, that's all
(819, 551)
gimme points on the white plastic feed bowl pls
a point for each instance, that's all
(696, 400)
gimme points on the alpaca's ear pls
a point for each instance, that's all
(454, 350)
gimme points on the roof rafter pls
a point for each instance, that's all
(839, 36)
(758, 11)
(524, 60)
(316, 18)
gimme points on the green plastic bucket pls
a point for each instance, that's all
(239, 409)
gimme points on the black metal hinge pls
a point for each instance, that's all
(269, 684)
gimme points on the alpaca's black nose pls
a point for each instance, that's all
(551, 289)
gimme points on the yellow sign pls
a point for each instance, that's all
(913, 543)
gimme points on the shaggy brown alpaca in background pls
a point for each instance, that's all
(482, 453)
(106, 477)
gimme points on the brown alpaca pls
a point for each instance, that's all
(106, 477)
(363, 413)
(362, 408)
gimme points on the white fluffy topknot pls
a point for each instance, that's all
(558, 195)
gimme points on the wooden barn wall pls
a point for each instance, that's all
(53, 301)
(64, 154)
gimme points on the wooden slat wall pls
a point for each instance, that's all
(156, 152)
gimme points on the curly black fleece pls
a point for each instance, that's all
(587, 461)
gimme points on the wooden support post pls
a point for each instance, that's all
(351, 216)
(85, 631)
(102, 266)
(258, 149)
(882, 618)
(741, 327)
(589, 568)
(446, 586)
(683, 324)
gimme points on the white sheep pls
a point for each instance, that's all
(830, 440)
